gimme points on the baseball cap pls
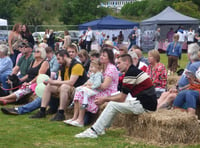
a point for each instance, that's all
(26, 44)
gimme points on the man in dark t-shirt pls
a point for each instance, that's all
(142, 99)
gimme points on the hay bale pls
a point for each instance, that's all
(164, 127)
(172, 80)
(69, 112)
(119, 120)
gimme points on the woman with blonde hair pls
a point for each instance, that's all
(67, 39)
(13, 41)
(157, 72)
(38, 66)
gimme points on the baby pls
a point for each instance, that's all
(90, 88)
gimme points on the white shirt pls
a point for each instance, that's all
(190, 36)
(181, 36)
(89, 35)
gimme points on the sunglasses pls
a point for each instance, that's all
(37, 51)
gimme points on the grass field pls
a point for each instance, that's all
(22, 132)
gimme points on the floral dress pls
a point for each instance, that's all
(158, 75)
(112, 72)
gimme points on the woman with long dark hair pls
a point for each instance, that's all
(27, 35)
(108, 86)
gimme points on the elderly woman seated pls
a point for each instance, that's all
(157, 72)
(167, 98)
(38, 66)
(5, 67)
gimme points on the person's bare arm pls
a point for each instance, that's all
(15, 70)
(117, 98)
(106, 83)
(9, 42)
(71, 81)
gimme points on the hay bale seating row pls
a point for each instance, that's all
(162, 127)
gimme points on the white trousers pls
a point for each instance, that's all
(128, 107)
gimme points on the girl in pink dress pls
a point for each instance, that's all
(109, 86)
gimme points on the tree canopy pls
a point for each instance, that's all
(73, 12)
(148, 8)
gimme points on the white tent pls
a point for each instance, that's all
(168, 18)
(3, 30)
(3, 22)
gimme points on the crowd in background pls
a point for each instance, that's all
(85, 78)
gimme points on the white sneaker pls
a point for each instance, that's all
(87, 134)
(68, 121)
(102, 133)
(75, 123)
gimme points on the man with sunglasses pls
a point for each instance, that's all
(24, 61)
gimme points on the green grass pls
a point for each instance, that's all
(22, 132)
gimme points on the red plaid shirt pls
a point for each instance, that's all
(158, 75)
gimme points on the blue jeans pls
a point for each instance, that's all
(27, 108)
(14, 57)
(3, 79)
(35, 104)
(187, 99)
(131, 44)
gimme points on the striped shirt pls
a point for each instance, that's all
(140, 86)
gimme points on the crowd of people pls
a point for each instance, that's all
(116, 76)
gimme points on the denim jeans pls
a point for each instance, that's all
(14, 57)
(187, 99)
(3, 79)
(27, 108)
(131, 44)
(108, 114)
(35, 104)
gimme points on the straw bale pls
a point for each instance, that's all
(119, 120)
(164, 127)
(69, 112)
(172, 81)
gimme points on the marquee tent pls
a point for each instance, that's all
(3, 30)
(110, 25)
(168, 18)
(108, 22)
(3, 22)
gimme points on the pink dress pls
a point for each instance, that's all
(111, 71)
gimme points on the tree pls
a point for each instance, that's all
(188, 8)
(74, 12)
(7, 9)
(37, 12)
(197, 2)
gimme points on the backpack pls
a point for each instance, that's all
(93, 37)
